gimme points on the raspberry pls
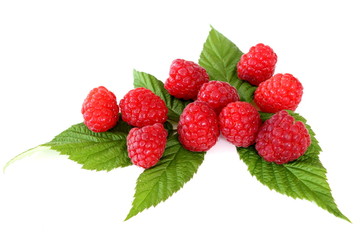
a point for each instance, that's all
(100, 110)
(282, 91)
(257, 65)
(146, 145)
(240, 123)
(141, 107)
(218, 94)
(198, 127)
(185, 79)
(281, 139)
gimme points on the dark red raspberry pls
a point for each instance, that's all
(257, 65)
(198, 127)
(141, 107)
(100, 110)
(281, 92)
(146, 145)
(185, 79)
(240, 123)
(217, 94)
(281, 139)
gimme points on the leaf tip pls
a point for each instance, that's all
(5, 167)
(342, 216)
(8, 164)
(22, 155)
(135, 71)
(130, 215)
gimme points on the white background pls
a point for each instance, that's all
(52, 53)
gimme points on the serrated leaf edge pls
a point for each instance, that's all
(180, 186)
(315, 145)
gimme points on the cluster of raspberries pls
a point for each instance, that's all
(216, 109)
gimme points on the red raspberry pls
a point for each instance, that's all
(217, 94)
(198, 127)
(141, 107)
(100, 110)
(257, 65)
(240, 123)
(185, 79)
(282, 91)
(281, 139)
(146, 145)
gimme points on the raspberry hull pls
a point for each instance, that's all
(281, 92)
(198, 127)
(281, 139)
(217, 94)
(257, 65)
(141, 107)
(185, 79)
(146, 145)
(100, 110)
(239, 123)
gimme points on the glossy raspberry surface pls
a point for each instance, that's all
(281, 92)
(218, 94)
(141, 107)
(198, 127)
(240, 123)
(185, 79)
(100, 110)
(281, 139)
(257, 65)
(146, 145)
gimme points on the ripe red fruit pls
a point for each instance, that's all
(100, 110)
(240, 123)
(218, 94)
(281, 92)
(185, 79)
(257, 65)
(146, 145)
(141, 107)
(281, 139)
(198, 127)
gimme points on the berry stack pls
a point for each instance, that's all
(215, 109)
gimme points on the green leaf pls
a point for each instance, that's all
(95, 151)
(219, 57)
(169, 128)
(304, 178)
(121, 127)
(176, 167)
(175, 105)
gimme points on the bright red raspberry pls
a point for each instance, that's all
(217, 94)
(100, 110)
(257, 65)
(185, 79)
(240, 123)
(281, 92)
(141, 107)
(281, 139)
(198, 127)
(146, 145)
